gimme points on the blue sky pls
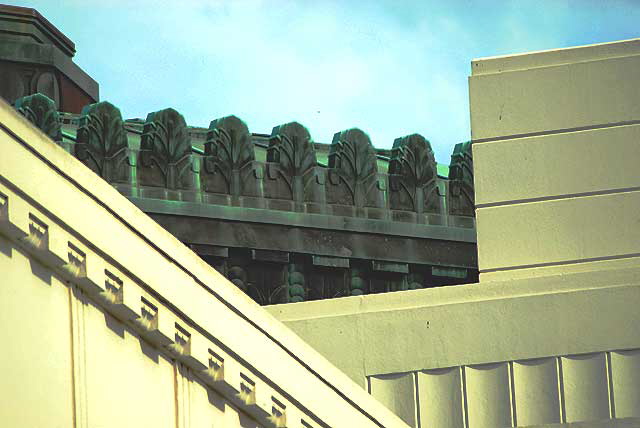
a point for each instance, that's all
(390, 68)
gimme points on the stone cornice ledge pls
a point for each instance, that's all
(308, 220)
(81, 227)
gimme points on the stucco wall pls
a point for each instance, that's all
(549, 335)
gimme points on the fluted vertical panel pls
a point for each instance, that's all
(585, 387)
(625, 376)
(440, 398)
(536, 391)
(397, 392)
(488, 400)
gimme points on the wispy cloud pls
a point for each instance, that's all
(389, 67)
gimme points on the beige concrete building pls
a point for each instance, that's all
(108, 320)
(550, 333)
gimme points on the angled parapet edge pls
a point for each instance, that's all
(154, 284)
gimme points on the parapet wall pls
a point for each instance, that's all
(555, 144)
(285, 218)
(111, 321)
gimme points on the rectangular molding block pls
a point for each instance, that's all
(157, 323)
(397, 393)
(585, 387)
(625, 379)
(85, 268)
(559, 164)
(191, 348)
(440, 398)
(14, 215)
(223, 372)
(122, 295)
(558, 231)
(47, 240)
(557, 97)
(536, 391)
(488, 395)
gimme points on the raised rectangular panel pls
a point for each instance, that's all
(279, 413)
(397, 392)
(122, 295)
(558, 164)
(190, 348)
(14, 216)
(85, 268)
(223, 373)
(536, 391)
(157, 324)
(47, 241)
(625, 379)
(488, 397)
(440, 398)
(557, 97)
(255, 395)
(557, 231)
(585, 387)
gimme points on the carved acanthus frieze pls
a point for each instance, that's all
(412, 175)
(229, 157)
(165, 151)
(42, 112)
(291, 150)
(353, 169)
(101, 141)
(461, 193)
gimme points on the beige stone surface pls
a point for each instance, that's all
(488, 396)
(473, 324)
(440, 393)
(559, 231)
(544, 99)
(557, 165)
(561, 269)
(553, 57)
(625, 378)
(584, 379)
(124, 372)
(34, 314)
(536, 391)
(397, 392)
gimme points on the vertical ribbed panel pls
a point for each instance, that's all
(397, 392)
(440, 398)
(536, 391)
(488, 400)
(586, 392)
(625, 374)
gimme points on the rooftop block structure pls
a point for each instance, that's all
(36, 57)
(548, 337)
(555, 144)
